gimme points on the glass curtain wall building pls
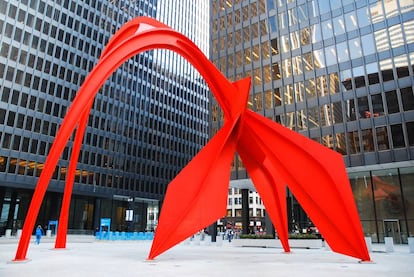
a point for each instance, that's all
(148, 120)
(340, 73)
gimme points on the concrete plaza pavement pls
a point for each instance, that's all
(89, 257)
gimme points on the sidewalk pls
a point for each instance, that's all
(128, 258)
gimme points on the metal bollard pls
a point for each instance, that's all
(368, 241)
(411, 244)
(389, 244)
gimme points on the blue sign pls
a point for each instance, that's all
(105, 224)
(51, 224)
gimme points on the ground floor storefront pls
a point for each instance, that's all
(385, 202)
(384, 196)
(130, 214)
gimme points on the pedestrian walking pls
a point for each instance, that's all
(39, 233)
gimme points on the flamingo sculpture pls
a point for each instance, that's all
(274, 156)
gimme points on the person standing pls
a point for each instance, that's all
(39, 233)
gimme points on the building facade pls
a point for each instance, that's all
(148, 120)
(340, 73)
(235, 211)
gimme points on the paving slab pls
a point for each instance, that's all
(90, 257)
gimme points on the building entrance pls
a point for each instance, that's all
(392, 229)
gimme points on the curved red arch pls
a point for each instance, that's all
(266, 148)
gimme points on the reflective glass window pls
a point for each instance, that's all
(335, 4)
(342, 50)
(396, 36)
(313, 10)
(407, 98)
(346, 79)
(367, 140)
(299, 91)
(292, 17)
(275, 71)
(333, 83)
(310, 88)
(401, 66)
(275, 47)
(305, 36)
(337, 112)
(302, 13)
(409, 31)
(340, 143)
(359, 76)
(381, 40)
(324, 6)
(391, 8)
(294, 40)
(313, 117)
(397, 136)
(386, 70)
(410, 133)
(297, 65)
(355, 48)
(368, 44)
(316, 33)
(382, 138)
(287, 68)
(268, 99)
(363, 107)
(285, 45)
(283, 21)
(322, 85)
(353, 142)
(377, 105)
(392, 102)
(325, 116)
(277, 97)
(363, 16)
(330, 54)
(339, 25)
(372, 73)
(307, 61)
(301, 121)
(351, 21)
(272, 24)
(377, 13)
(406, 6)
(327, 29)
(318, 59)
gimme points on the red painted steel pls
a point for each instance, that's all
(274, 156)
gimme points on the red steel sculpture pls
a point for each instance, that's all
(274, 156)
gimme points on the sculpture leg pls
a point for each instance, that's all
(197, 196)
(40, 190)
(316, 176)
(269, 185)
(70, 177)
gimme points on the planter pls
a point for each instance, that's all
(275, 243)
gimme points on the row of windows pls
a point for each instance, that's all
(135, 183)
(238, 200)
(252, 212)
(362, 141)
(302, 12)
(394, 101)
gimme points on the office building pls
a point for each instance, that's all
(340, 73)
(148, 120)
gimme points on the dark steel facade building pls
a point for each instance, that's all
(340, 73)
(148, 120)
